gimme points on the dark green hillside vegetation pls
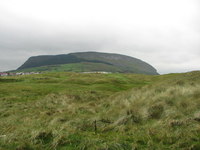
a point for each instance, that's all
(100, 111)
(87, 61)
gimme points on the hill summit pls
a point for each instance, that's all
(88, 61)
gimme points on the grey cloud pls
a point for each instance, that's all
(174, 49)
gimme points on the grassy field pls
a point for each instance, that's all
(73, 67)
(100, 111)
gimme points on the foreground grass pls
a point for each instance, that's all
(96, 111)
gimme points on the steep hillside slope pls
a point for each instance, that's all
(125, 63)
(88, 61)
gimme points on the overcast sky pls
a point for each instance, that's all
(164, 33)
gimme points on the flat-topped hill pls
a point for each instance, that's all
(88, 61)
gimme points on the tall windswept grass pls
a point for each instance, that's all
(127, 112)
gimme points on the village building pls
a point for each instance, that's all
(3, 74)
